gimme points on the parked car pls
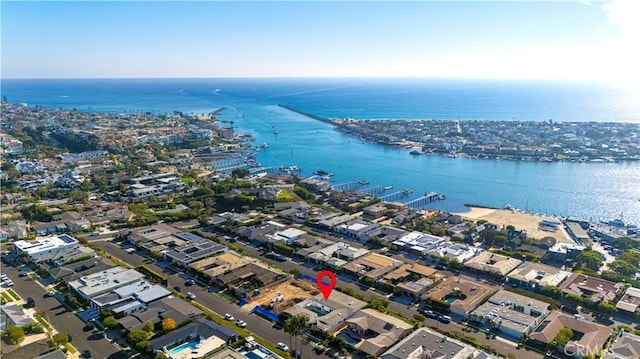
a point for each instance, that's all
(31, 302)
(444, 319)
(430, 314)
(283, 346)
(241, 323)
(49, 294)
(23, 273)
(87, 353)
(229, 317)
(190, 282)
(177, 288)
(191, 296)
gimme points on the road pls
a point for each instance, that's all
(255, 324)
(58, 316)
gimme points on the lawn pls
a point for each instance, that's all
(6, 297)
(43, 322)
(13, 294)
(70, 348)
(186, 180)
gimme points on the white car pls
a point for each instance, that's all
(229, 317)
(283, 346)
(191, 296)
(241, 323)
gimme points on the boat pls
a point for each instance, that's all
(388, 188)
(416, 151)
(275, 132)
(265, 145)
(323, 173)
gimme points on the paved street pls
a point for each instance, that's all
(58, 316)
(261, 327)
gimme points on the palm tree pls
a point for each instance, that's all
(294, 325)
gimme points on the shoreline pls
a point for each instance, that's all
(521, 221)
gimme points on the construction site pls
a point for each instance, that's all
(284, 295)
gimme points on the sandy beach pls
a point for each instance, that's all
(526, 221)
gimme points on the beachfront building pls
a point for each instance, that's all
(425, 343)
(513, 314)
(462, 295)
(372, 332)
(99, 283)
(454, 251)
(531, 275)
(327, 314)
(596, 289)
(45, 249)
(493, 264)
(588, 337)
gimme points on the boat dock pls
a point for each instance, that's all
(427, 198)
(347, 185)
(373, 190)
(396, 195)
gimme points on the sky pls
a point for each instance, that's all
(564, 40)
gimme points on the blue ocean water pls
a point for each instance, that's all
(589, 191)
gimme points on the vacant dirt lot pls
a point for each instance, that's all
(294, 291)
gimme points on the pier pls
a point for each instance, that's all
(427, 198)
(349, 185)
(373, 190)
(396, 195)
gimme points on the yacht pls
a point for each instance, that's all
(388, 188)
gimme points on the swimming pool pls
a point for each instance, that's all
(348, 338)
(183, 346)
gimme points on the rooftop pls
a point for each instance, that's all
(326, 314)
(473, 292)
(626, 347)
(595, 288)
(493, 263)
(426, 341)
(591, 335)
(105, 281)
(539, 274)
(514, 311)
(630, 300)
(45, 244)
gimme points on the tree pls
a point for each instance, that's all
(143, 346)
(160, 355)
(168, 324)
(148, 326)
(240, 173)
(60, 339)
(624, 243)
(563, 337)
(590, 259)
(136, 336)
(294, 325)
(110, 321)
(379, 304)
(552, 291)
(36, 213)
(15, 334)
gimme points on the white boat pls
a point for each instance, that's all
(388, 188)
(265, 145)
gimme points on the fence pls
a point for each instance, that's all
(305, 276)
(265, 313)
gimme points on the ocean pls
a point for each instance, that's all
(591, 191)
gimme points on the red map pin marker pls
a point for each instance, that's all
(324, 287)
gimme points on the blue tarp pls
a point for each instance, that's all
(265, 313)
(305, 276)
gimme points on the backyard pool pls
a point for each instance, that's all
(183, 346)
(348, 338)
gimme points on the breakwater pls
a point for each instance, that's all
(308, 114)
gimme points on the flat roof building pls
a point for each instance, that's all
(536, 276)
(464, 296)
(129, 298)
(514, 314)
(103, 282)
(372, 266)
(630, 300)
(329, 313)
(424, 343)
(45, 248)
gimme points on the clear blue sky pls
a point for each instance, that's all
(557, 40)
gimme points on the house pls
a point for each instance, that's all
(71, 272)
(373, 266)
(103, 282)
(327, 314)
(418, 243)
(350, 253)
(626, 346)
(596, 289)
(561, 251)
(45, 249)
(630, 300)
(588, 337)
(415, 288)
(205, 334)
(463, 295)
(287, 236)
(376, 210)
(323, 252)
(425, 343)
(71, 254)
(16, 229)
(155, 185)
(199, 249)
(13, 315)
(513, 314)
(372, 332)
(356, 229)
(493, 264)
(454, 251)
(409, 272)
(531, 275)
(386, 234)
(129, 298)
(250, 276)
(167, 307)
(214, 266)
